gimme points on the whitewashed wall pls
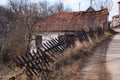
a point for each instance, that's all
(45, 37)
(49, 36)
(33, 44)
(115, 22)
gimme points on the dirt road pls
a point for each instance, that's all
(95, 68)
(113, 57)
(104, 64)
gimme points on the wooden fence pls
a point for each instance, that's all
(39, 62)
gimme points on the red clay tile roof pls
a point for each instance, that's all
(116, 16)
(67, 21)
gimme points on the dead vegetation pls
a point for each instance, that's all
(19, 17)
(24, 16)
(74, 59)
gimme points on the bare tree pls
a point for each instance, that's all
(46, 9)
(59, 7)
(99, 4)
(25, 14)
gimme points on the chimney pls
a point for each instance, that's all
(119, 7)
(102, 7)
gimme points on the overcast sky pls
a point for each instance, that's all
(74, 4)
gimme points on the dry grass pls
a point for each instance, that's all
(75, 58)
(67, 65)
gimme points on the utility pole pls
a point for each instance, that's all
(119, 10)
(119, 7)
(79, 6)
(90, 3)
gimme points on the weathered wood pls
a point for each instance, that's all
(58, 42)
(19, 62)
(40, 62)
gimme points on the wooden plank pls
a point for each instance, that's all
(51, 47)
(46, 57)
(19, 62)
(61, 46)
(55, 46)
(27, 66)
(31, 56)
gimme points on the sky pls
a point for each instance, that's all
(74, 5)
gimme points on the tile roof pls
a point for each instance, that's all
(67, 21)
(116, 16)
(90, 9)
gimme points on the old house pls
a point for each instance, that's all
(68, 22)
(116, 18)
